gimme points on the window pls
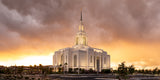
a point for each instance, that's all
(66, 58)
(75, 60)
(62, 59)
(91, 59)
(104, 60)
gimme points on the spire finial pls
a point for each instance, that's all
(81, 14)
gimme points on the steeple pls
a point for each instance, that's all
(81, 16)
(81, 38)
(81, 27)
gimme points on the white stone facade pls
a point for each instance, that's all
(81, 55)
(85, 58)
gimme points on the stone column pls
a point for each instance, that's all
(67, 61)
(78, 60)
(100, 59)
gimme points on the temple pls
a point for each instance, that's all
(81, 55)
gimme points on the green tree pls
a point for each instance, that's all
(60, 68)
(70, 70)
(106, 71)
(158, 71)
(65, 64)
(142, 71)
(131, 69)
(122, 70)
(90, 70)
(41, 68)
(155, 71)
(35, 66)
(83, 71)
(30, 69)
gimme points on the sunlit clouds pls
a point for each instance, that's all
(29, 60)
(31, 30)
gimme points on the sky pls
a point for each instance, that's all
(31, 30)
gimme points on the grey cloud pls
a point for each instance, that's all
(56, 20)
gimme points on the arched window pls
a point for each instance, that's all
(104, 60)
(91, 59)
(62, 59)
(75, 60)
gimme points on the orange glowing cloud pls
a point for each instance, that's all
(31, 30)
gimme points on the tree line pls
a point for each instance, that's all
(122, 70)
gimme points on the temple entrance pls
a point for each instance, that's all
(97, 64)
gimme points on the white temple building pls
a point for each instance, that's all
(81, 55)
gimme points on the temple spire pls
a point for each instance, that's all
(81, 27)
(81, 38)
(81, 15)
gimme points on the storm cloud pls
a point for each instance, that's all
(41, 23)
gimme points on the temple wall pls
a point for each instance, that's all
(86, 58)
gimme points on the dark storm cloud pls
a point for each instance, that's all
(22, 21)
(134, 20)
(35, 20)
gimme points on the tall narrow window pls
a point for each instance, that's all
(94, 61)
(91, 59)
(104, 60)
(66, 58)
(62, 59)
(75, 60)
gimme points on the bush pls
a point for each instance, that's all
(70, 70)
(75, 70)
(59, 69)
(26, 78)
(106, 71)
(82, 71)
(90, 70)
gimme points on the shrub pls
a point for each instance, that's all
(70, 70)
(106, 71)
(59, 69)
(26, 78)
(90, 70)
